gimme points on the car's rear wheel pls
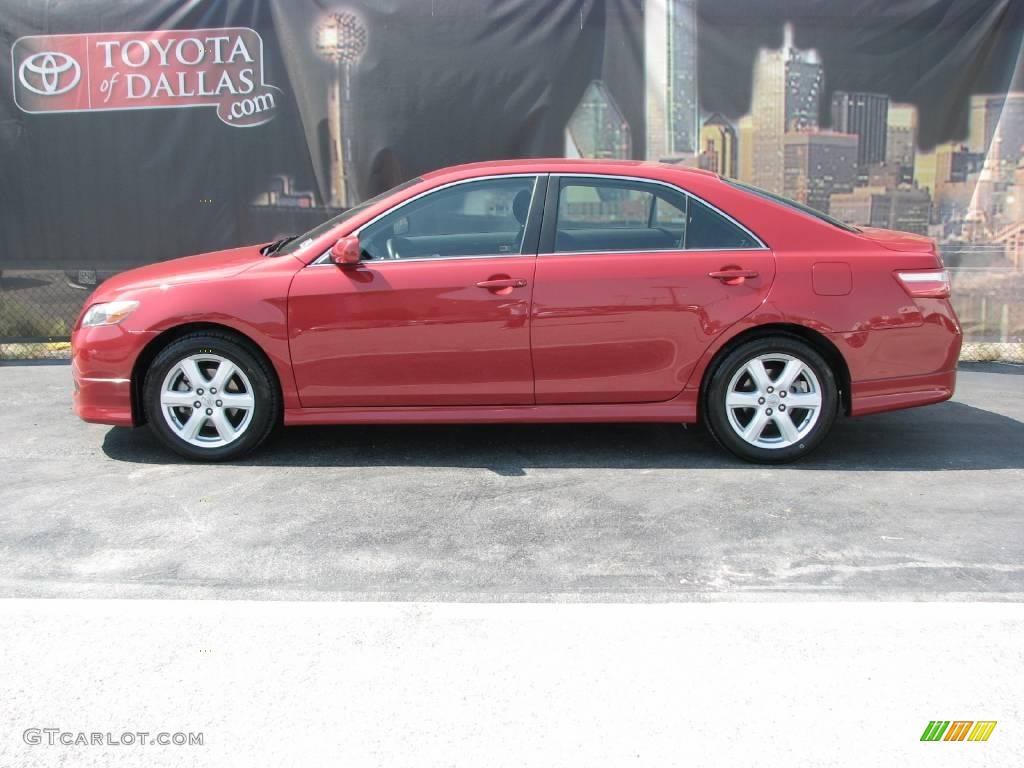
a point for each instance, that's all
(209, 397)
(771, 400)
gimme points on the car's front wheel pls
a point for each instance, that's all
(771, 400)
(209, 397)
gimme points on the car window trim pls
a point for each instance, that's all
(324, 259)
(651, 215)
(551, 214)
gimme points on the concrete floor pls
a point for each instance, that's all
(925, 504)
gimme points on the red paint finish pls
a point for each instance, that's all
(548, 337)
(832, 278)
(630, 327)
(679, 410)
(880, 395)
(238, 289)
(414, 333)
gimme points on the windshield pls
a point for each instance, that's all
(295, 243)
(792, 204)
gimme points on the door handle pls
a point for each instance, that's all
(728, 274)
(507, 282)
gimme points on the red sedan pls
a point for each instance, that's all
(530, 291)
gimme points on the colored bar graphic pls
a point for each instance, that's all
(935, 730)
(958, 731)
(982, 730)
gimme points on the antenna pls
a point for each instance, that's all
(787, 36)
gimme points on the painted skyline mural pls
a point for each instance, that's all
(864, 166)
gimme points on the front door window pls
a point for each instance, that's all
(477, 218)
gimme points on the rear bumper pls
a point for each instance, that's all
(903, 367)
(901, 392)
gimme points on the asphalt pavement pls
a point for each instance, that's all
(926, 504)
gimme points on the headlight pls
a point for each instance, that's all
(111, 313)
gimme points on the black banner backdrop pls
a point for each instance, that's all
(122, 143)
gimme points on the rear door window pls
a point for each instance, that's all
(708, 230)
(601, 215)
(618, 215)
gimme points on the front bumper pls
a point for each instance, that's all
(103, 401)
(102, 359)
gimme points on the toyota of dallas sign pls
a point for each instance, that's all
(220, 68)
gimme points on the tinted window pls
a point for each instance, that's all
(668, 214)
(793, 204)
(297, 242)
(585, 206)
(477, 218)
(706, 229)
(615, 215)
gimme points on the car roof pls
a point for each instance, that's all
(562, 165)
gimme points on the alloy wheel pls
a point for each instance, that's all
(207, 400)
(773, 401)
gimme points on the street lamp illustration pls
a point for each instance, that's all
(341, 39)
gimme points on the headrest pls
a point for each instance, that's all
(521, 205)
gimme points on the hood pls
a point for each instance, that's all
(898, 241)
(216, 265)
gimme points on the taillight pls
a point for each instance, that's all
(925, 283)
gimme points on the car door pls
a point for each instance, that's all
(437, 312)
(634, 279)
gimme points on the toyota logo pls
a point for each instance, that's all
(47, 70)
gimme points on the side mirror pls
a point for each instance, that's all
(346, 252)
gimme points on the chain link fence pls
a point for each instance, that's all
(38, 309)
(990, 304)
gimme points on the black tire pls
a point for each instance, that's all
(715, 414)
(266, 411)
